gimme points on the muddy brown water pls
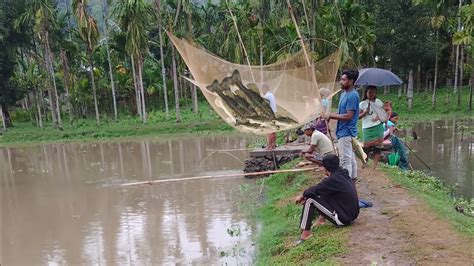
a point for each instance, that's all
(447, 147)
(61, 203)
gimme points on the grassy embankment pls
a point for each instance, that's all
(437, 196)
(279, 216)
(207, 121)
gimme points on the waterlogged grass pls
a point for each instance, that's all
(207, 121)
(280, 216)
(437, 196)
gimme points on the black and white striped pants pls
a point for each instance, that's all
(322, 207)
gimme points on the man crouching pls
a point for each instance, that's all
(334, 198)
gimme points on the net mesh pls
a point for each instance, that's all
(236, 92)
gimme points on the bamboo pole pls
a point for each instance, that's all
(240, 40)
(311, 67)
(151, 182)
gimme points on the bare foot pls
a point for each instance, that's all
(305, 235)
(321, 220)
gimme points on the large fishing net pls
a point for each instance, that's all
(236, 92)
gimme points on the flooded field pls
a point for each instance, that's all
(61, 203)
(447, 147)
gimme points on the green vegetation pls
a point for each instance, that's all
(93, 58)
(437, 196)
(206, 121)
(280, 218)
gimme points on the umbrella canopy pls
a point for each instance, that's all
(377, 77)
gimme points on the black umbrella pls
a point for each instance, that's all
(377, 77)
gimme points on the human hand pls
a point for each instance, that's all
(300, 199)
(375, 119)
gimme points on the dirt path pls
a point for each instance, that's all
(400, 230)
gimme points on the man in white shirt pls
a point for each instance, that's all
(320, 145)
(267, 94)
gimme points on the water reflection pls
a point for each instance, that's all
(61, 203)
(447, 147)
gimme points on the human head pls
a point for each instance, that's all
(330, 163)
(387, 106)
(370, 93)
(324, 92)
(308, 129)
(348, 78)
(394, 117)
(265, 88)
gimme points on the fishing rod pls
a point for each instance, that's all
(423, 162)
(151, 182)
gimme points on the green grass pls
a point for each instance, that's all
(280, 219)
(446, 106)
(207, 121)
(437, 196)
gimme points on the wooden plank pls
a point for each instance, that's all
(282, 150)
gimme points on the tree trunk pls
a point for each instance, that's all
(49, 85)
(162, 58)
(137, 89)
(142, 91)
(195, 100)
(94, 92)
(4, 125)
(55, 90)
(7, 121)
(435, 81)
(38, 108)
(456, 68)
(175, 84)
(400, 89)
(470, 92)
(410, 90)
(385, 90)
(418, 77)
(65, 63)
(109, 61)
(461, 76)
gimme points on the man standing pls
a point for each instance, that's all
(320, 145)
(347, 121)
(267, 94)
(334, 198)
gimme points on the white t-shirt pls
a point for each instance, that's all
(322, 142)
(269, 96)
(367, 119)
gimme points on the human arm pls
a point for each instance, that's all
(344, 117)
(310, 149)
(325, 187)
(300, 199)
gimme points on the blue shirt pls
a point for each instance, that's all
(349, 102)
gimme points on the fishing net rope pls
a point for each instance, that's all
(236, 92)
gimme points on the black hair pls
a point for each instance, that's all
(393, 115)
(352, 74)
(367, 89)
(331, 162)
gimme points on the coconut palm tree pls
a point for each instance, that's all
(134, 17)
(162, 57)
(89, 32)
(41, 14)
(105, 12)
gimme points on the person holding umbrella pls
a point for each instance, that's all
(372, 126)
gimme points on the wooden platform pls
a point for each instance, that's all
(282, 150)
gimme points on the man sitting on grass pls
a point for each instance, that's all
(320, 145)
(334, 198)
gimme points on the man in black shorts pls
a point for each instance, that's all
(334, 199)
